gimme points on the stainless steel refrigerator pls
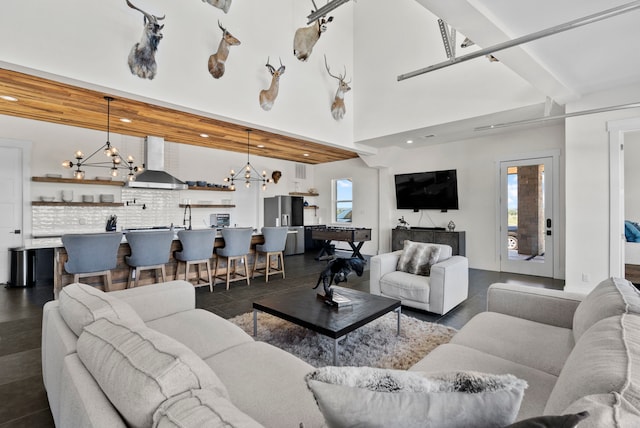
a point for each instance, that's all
(287, 211)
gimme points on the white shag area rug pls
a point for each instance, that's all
(373, 345)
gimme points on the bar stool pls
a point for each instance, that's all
(197, 248)
(237, 242)
(92, 254)
(275, 239)
(149, 250)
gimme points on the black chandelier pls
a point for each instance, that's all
(248, 173)
(115, 162)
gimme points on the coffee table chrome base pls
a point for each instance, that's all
(335, 341)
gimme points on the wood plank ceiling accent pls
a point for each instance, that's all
(56, 102)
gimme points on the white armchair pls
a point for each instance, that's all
(445, 288)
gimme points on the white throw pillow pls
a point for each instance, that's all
(138, 368)
(201, 408)
(82, 304)
(370, 397)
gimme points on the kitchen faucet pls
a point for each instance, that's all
(184, 216)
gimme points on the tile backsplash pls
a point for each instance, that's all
(151, 208)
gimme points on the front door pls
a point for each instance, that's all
(11, 226)
(526, 211)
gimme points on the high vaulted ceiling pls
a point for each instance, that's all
(51, 101)
(597, 57)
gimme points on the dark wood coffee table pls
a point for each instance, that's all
(304, 308)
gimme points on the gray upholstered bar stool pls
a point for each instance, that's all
(149, 250)
(92, 254)
(237, 242)
(275, 239)
(197, 248)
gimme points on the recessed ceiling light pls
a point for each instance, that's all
(8, 98)
(204, 135)
(409, 141)
(260, 146)
(125, 120)
(305, 154)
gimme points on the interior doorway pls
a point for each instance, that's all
(11, 205)
(527, 216)
(618, 131)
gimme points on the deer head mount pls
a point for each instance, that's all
(218, 59)
(220, 4)
(338, 108)
(306, 37)
(268, 96)
(142, 61)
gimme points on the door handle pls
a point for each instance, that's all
(16, 232)
(548, 223)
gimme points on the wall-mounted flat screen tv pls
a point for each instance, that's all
(434, 190)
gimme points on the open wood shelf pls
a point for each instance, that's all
(76, 181)
(312, 206)
(215, 189)
(303, 194)
(208, 206)
(77, 204)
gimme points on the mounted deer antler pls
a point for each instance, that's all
(268, 96)
(220, 4)
(338, 108)
(142, 61)
(217, 60)
(306, 37)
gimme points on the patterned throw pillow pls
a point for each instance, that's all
(417, 258)
(370, 397)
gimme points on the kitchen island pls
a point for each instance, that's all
(121, 273)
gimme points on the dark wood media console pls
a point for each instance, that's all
(454, 239)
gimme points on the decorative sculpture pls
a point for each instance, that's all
(217, 60)
(268, 96)
(220, 4)
(142, 60)
(337, 271)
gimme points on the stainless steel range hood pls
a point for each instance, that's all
(154, 176)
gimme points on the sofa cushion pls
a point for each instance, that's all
(541, 346)
(417, 258)
(606, 410)
(200, 408)
(405, 286)
(81, 304)
(139, 368)
(613, 296)
(606, 360)
(370, 397)
(203, 332)
(268, 384)
(631, 231)
(451, 357)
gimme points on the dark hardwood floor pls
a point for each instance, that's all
(23, 401)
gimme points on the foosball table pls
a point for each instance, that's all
(354, 236)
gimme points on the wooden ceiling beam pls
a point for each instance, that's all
(56, 102)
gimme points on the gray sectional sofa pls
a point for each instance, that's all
(575, 353)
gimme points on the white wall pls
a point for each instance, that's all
(403, 36)
(366, 197)
(587, 187)
(476, 162)
(89, 41)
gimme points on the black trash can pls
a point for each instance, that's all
(21, 274)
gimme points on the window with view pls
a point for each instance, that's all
(343, 189)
